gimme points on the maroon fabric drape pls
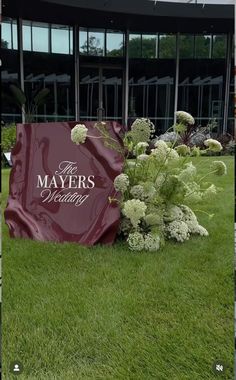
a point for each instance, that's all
(58, 190)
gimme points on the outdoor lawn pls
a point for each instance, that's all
(72, 313)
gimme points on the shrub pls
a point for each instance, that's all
(8, 134)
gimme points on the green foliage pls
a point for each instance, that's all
(28, 106)
(8, 136)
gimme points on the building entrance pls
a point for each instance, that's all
(101, 92)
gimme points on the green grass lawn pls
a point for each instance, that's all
(72, 313)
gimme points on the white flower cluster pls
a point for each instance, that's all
(183, 150)
(219, 168)
(79, 134)
(185, 117)
(141, 130)
(188, 173)
(134, 209)
(177, 230)
(140, 148)
(121, 182)
(138, 242)
(186, 223)
(213, 145)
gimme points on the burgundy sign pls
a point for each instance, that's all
(59, 190)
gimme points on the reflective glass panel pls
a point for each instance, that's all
(6, 35)
(96, 42)
(60, 39)
(40, 33)
(167, 46)
(135, 45)
(14, 35)
(219, 46)
(149, 46)
(186, 46)
(203, 46)
(27, 36)
(83, 41)
(115, 44)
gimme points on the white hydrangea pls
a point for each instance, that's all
(177, 230)
(121, 182)
(153, 219)
(202, 231)
(79, 134)
(173, 213)
(152, 242)
(185, 117)
(191, 220)
(134, 209)
(213, 145)
(135, 241)
(219, 167)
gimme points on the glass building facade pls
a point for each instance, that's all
(126, 74)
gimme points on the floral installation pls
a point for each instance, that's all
(157, 191)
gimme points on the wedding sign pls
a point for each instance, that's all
(60, 191)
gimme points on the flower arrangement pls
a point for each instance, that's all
(157, 190)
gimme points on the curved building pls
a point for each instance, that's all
(121, 59)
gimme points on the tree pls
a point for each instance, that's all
(4, 44)
(93, 47)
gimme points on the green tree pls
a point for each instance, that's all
(92, 48)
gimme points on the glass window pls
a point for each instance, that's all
(135, 45)
(71, 40)
(186, 46)
(27, 44)
(9, 34)
(83, 41)
(219, 46)
(149, 46)
(96, 42)
(203, 46)
(60, 39)
(115, 44)
(167, 46)
(40, 34)
(6, 40)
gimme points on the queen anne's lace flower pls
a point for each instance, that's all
(177, 230)
(210, 192)
(137, 191)
(141, 130)
(172, 155)
(79, 134)
(183, 150)
(152, 242)
(143, 157)
(219, 167)
(195, 151)
(160, 151)
(213, 145)
(134, 209)
(185, 117)
(121, 182)
(188, 173)
(140, 148)
(135, 241)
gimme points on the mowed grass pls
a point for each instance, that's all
(72, 313)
